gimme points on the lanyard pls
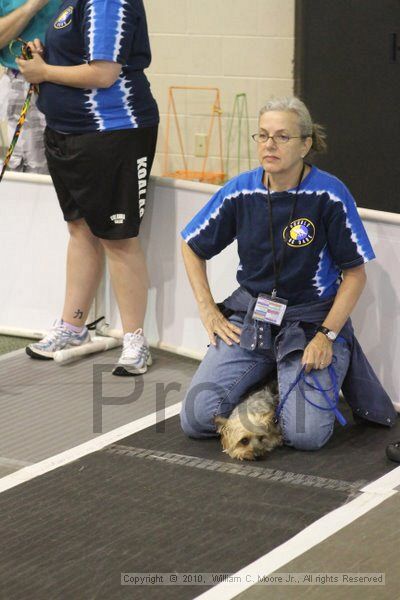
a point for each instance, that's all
(332, 402)
(278, 268)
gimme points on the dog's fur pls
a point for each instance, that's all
(250, 431)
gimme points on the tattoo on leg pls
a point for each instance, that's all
(78, 314)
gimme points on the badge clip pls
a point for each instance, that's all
(270, 308)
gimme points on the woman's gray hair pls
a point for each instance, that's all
(307, 127)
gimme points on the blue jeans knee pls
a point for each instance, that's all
(306, 426)
(224, 376)
(198, 408)
(308, 441)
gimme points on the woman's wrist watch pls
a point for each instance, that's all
(331, 335)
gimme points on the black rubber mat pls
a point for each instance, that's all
(71, 533)
(157, 502)
(354, 452)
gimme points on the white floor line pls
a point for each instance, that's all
(58, 460)
(311, 536)
(387, 482)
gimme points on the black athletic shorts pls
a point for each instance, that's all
(102, 177)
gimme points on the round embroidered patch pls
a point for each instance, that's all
(64, 19)
(301, 233)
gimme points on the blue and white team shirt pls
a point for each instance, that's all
(110, 30)
(326, 234)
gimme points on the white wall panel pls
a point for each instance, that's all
(32, 271)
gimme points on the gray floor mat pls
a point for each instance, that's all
(46, 408)
(368, 545)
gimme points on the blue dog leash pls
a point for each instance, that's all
(332, 403)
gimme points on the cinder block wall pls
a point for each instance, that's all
(236, 45)
(239, 46)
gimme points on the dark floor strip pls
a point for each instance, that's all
(239, 469)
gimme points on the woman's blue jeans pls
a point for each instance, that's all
(228, 372)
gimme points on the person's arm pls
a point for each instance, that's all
(96, 74)
(14, 23)
(212, 318)
(318, 353)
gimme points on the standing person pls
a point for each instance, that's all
(100, 141)
(27, 20)
(302, 248)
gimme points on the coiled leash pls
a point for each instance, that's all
(332, 402)
(26, 54)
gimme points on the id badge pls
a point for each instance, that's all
(270, 309)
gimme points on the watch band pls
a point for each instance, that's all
(331, 335)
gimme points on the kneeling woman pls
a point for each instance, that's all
(302, 249)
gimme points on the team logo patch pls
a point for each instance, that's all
(64, 19)
(301, 233)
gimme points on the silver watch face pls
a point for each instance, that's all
(331, 335)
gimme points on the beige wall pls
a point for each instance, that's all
(236, 45)
(240, 46)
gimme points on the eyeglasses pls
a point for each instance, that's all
(279, 139)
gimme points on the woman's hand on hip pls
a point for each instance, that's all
(318, 353)
(216, 324)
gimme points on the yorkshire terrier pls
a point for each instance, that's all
(251, 431)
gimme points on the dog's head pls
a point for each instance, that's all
(249, 435)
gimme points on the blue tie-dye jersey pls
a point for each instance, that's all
(110, 30)
(326, 234)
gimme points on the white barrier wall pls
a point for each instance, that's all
(33, 246)
(33, 241)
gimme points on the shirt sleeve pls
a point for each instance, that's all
(214, 226)
(347, 239)
(109, 28)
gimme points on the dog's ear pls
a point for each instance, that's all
(220, 422)
(267, 417)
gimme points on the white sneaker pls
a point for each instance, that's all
(135, 357)
(58, 338)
